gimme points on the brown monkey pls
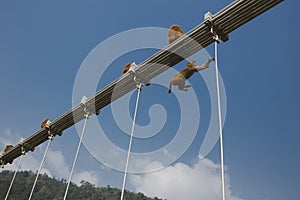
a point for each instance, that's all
(180, 78)
(126, 68)
(8, 147)
(44, 123)
(174, 33)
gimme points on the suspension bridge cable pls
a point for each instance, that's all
(41, 165)
(14, 176)
(220, 120)
(130, 141)
(76, 155)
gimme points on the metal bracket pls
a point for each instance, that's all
(136, 76)
(50, 132)
(48, 124)
(216, 31)
(50, 135)
(22, 143)
(87, 111)
(25, 146)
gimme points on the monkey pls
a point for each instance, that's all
(174, 33)
(180, 78)
(8, 147)
(44, 123)
(127, 68)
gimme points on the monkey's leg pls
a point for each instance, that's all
(181, 85)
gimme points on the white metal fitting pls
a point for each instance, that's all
(50, 135)
(208, 16)
(215, 35)
(22, 140)
(84, 100)
(48, 124)
(86, 112)
(137, 79)
(23, 150)
(132, 68)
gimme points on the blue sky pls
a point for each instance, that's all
(43, 44)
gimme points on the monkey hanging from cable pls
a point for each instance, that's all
(180, 78)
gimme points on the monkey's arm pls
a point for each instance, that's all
(205, 65)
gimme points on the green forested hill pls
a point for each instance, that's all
(49, 188)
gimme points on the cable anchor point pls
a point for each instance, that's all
(22, 143)
(217, 32)
(89, 106)
(48, 126)
(86, 110)
(138, 79)
(50, 135)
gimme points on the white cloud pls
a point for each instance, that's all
(146, 164)
(199, 181)
(56, 163)
(90, 177)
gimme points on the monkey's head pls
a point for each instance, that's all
(126, 68)
(191, 63)
(174, 33)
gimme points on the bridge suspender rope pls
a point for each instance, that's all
(23, 151)
(41, 165)
(130, 141)
(217, 35)
(86, 115)
(220, 118)
(14, 176)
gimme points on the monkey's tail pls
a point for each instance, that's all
(170, 88)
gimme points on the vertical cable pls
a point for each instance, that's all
(41, 165)
(130, 141)
(220, 120)
(76, 155)
(13, 179)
